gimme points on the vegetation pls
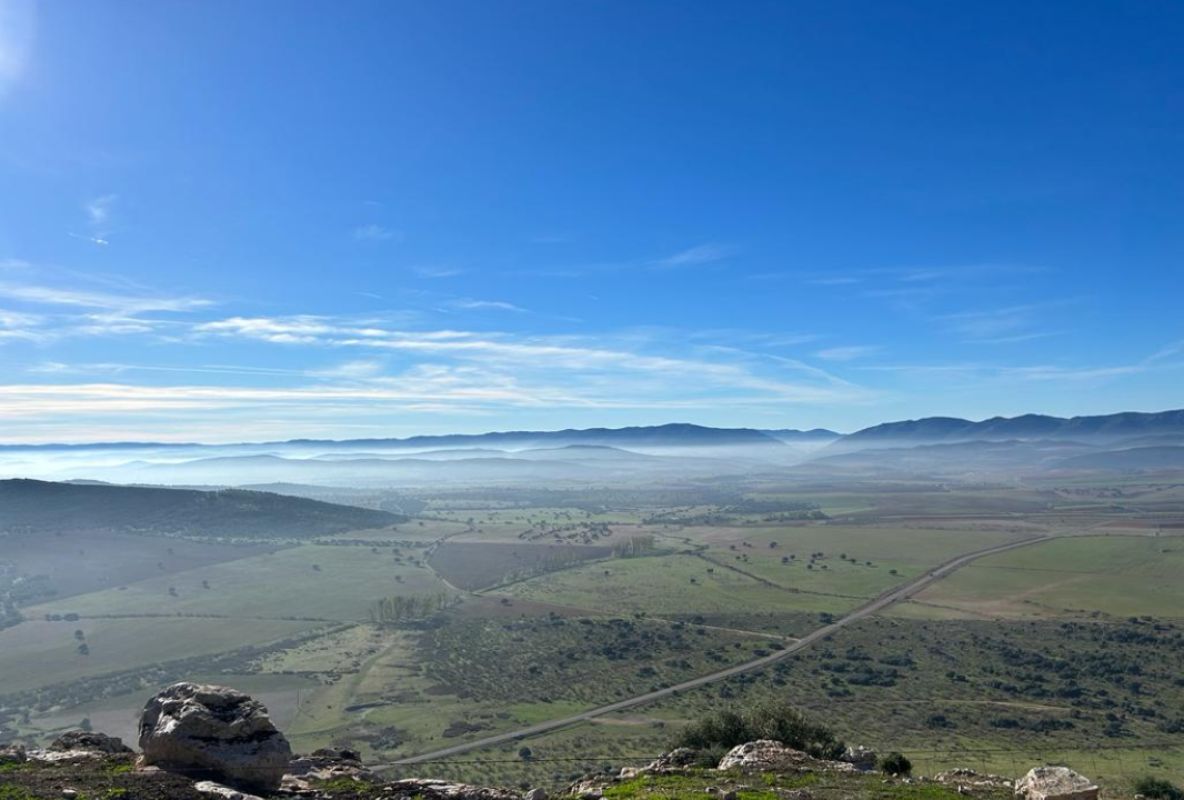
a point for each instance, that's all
(723, 730)
(28, 506)
(1158, 789)
(895, 764)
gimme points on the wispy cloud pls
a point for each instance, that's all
(848, 353)
(431, 271)
(98, 210)
(375, 233)
(487, 305)
(695, 256)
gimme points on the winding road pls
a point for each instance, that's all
(885, 600)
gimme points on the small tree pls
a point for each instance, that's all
(525, 753)
(896, 764)
(1158, 789)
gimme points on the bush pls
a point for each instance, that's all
(780, 722)
(896, 764)
(1158, 789)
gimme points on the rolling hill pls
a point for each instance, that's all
(28, 506)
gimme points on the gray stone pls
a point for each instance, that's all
(214, 732)
(217, 790)
(88, 740)
(536, 794)
(12, 754)
(1055, 783)
(766, 755)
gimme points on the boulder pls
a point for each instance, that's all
(214, 732)
(766, 755)
(90, 741)
(219, 792)
(1055, 783)
(536, 794)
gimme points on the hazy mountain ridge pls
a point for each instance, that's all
(1027, 426)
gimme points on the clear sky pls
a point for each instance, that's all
(227, 220)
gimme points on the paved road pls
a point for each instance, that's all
(891, 597)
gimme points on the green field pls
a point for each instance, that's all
(1114, 575)
(39, 653)
(321, 582)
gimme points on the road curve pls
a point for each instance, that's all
(889, 598)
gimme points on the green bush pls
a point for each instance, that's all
(780, 722)
(896, 764)
(1158, 789)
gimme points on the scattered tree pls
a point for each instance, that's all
(896, 764)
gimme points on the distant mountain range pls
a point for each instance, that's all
(1029, 426)
(934, 446)
(675, 434)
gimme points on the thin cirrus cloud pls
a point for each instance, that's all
(487, 305)
(375, 233)
(847, 353)
(695, 256)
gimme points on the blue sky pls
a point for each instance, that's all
(224, 220)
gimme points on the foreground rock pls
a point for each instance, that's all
(676, 760)
(766, 755)
(215, 732)
(91, 742)
(446, 790)
(326, 764)
(1055, 783)
(969, 779)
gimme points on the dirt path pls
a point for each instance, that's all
(889, 598)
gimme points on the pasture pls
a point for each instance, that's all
(1072, 576)
(37, 653)
(312, 581)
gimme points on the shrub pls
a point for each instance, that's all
(780, 722)
(1158, 789)
(896, 764)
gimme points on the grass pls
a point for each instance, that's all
(38, 653)
(1115, 575)
(310, 581)
(679, 585)
(477, 565)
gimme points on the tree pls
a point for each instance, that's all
(84, 649)
(896, 764)
(79, 635)
(525, 753)
(777, 721)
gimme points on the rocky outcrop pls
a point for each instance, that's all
(12, 754)
(89, 741)
(214, 732)
(860, 757)
(325, 764)
(446, 790)
(1055, 783)
(964, 779)
(766, 755)
(676, 760)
